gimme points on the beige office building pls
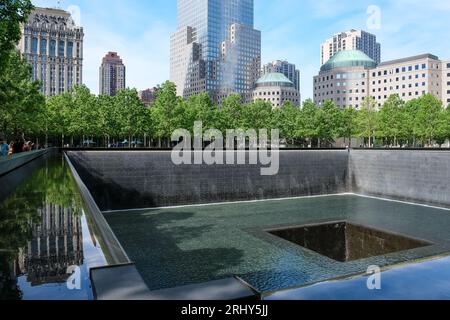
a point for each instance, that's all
(446, 82)
(53, 45)
(351, 40)
(277, 89)
(351, 76)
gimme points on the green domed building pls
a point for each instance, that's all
(277, 89)
(344, 79)
(349, 59)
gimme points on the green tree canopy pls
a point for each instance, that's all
(12, 14)
(428, 118)
(391, 120)
(367, 120)
(20, 100)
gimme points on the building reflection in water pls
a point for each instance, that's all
(40, 231)
(56, 245)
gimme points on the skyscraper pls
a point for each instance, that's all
(215, 48)
(112, 74)
(351, 40)
(53, 45)
(286, 68)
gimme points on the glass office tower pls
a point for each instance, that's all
(215, 48)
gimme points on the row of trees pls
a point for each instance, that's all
(79, 116)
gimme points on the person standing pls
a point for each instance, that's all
(3, 148)
(11, 149)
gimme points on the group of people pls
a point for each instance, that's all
(15, 147)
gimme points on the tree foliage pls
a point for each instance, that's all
(12, 14)
(21, 104)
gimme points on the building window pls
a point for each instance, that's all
(61, 49)
(70, 49)
(52, 48)
(34, 45)
(26, 44)
(43, 49)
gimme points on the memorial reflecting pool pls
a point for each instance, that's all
(44, 234)
(178, 246)
(49, 229)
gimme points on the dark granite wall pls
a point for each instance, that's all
(408, 175)
(141, 179)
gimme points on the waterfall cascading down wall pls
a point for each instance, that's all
(408, 175)
(121, 180)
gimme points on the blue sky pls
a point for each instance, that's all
(139, 31)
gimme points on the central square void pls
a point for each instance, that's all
(344, 241)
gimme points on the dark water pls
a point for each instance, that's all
(187, 245)
(44, 235)
(342, 241)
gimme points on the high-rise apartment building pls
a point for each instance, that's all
(215, 48)
(112, 74)
(351, 40)
(286, 68)
(351, 76)
(53, 45)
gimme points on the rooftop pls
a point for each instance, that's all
(349, 58)
(413, 58)
(274, 79)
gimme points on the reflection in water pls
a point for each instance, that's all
(55, 246)
(40, 230)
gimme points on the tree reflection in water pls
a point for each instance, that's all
(40, 229)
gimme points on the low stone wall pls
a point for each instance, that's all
(10, 163)
(410, 175)
(143, 179)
